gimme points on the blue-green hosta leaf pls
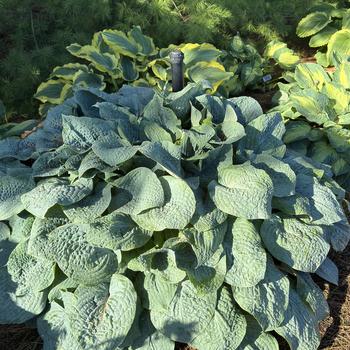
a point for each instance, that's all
(246, 255)
(328, 271)
(177, 210)
(30, 274)
(56, 292)
(163, 116)
(159, 292)
(101, 315)
(38, 242)
(134, 98)
(313, 295)
(187, 315)
(77, 258)
(181, 102)
(232, 130)
(281, 174)
(268, 300)
(91, 164)
(52, 163)
(311, 75)
(226, 329)
(338, 235)
(21, 226)
(15, 308)
(166, 154)
(236, 187)
(128, 69)
(113, 150)
(300, 327)
(6, 246)
(296, 131)
(150, 338)
(53, 329)
(299, 245)
(143, 191)
(55, 191)
(11, 190)
(205, 242)
(81, 132)
(313, 23)
(90, 207)
(339, 138)
(256, 339)
(116, 231)
(264, 135)
(339, 44)
(249, 109)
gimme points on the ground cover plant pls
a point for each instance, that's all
(34, 33)
(132, 220)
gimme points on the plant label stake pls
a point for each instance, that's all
(177, 70)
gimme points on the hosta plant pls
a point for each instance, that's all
(316, 106)
(133, 220)
(115, 57)
(329, 30)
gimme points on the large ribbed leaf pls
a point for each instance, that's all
(101, 315)
(11, 189)
(226, 329)
(339, 44)
(299, 328)
(55, 191)
(246, 255)
(177, 211)
(90, 207)
(236, 186)
(187, 315)
(143, 191)
(299, 245)
(268, 300)
(116, 231)
(77, 258)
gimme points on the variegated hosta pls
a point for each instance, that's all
(115, 57)
(144, 220)
(329, 29)
(316, 106)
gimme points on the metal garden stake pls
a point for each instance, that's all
(177, 70)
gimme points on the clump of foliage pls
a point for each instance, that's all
(115, 57)
(34, 33)
(134, 218)
(316, 106)
(329, 29)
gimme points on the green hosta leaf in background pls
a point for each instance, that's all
(284, 56)
(322, 37)
(313, 23)
(53, 91)
(339, 44)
